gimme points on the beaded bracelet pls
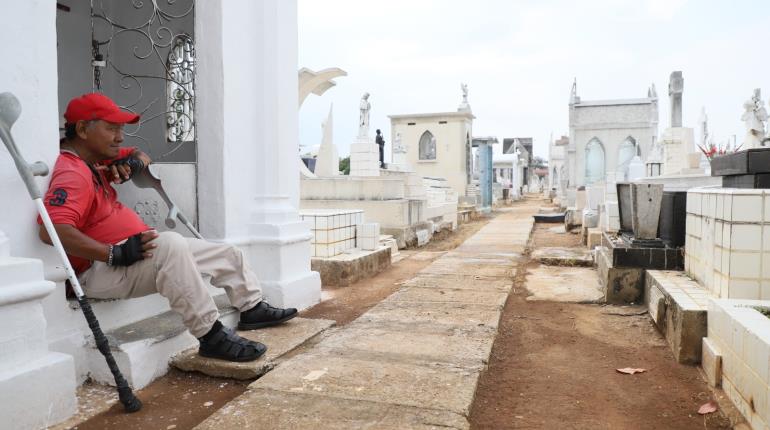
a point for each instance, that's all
(109, 256)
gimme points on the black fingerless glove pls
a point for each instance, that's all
(128, 253)
(135, 164)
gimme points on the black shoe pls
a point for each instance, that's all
(225, 344)
(263, 315)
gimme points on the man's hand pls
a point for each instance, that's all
(122, 170)
(135, 248)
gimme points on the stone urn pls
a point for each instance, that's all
(645, 209)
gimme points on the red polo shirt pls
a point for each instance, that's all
(84, 198)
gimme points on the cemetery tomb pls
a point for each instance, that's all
(334, 231)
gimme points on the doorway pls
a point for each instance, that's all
(142, 55)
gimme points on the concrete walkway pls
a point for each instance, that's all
(412, 361)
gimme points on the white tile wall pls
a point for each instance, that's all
(726, 241)
(742, 335)
(333, 230)
(368, 236)
(747, 208)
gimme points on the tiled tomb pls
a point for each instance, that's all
(727, 248)
(735, 356)
(334, 230)
(368, 236)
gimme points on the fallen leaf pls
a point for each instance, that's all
(708, 408)
(630, 370)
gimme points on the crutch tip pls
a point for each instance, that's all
(133, 404)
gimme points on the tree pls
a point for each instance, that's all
(538, 161)
(345, 165)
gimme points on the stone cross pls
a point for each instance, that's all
(675, 89)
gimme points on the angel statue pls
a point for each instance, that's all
(754, 117)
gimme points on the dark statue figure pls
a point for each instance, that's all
(381, 143)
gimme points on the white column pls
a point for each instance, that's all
(37, 386)
(248, 183)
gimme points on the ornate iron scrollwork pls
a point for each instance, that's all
(148, 52)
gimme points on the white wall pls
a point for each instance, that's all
(29, 71)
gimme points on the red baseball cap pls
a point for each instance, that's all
(97, 106)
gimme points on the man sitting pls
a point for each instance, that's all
(116, 255)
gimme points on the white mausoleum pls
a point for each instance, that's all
(220, 119)
(436, 145)
(604, 135)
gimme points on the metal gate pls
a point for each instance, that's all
(143, 57)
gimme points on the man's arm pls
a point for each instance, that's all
(77, 243)
(80, 245)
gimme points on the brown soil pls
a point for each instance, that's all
(179, 400)
(553, 366)
(542, 236)
(176, 401)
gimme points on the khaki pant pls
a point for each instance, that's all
(175, 271)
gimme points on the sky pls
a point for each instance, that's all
(519, 58)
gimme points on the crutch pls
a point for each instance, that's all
(10, 109)
(146, 179)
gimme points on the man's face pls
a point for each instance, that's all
(103, 139)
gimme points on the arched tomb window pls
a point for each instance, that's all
(427, 146)
(594, 161)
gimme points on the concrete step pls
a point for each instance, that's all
(389, 241)
(144, 348)
(279, 340)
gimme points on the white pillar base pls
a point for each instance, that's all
(300, 293)
(364, 158)
(677, 143)
(38, 393)
(280, 256)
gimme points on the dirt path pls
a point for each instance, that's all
(179, 401)
(553, 367)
